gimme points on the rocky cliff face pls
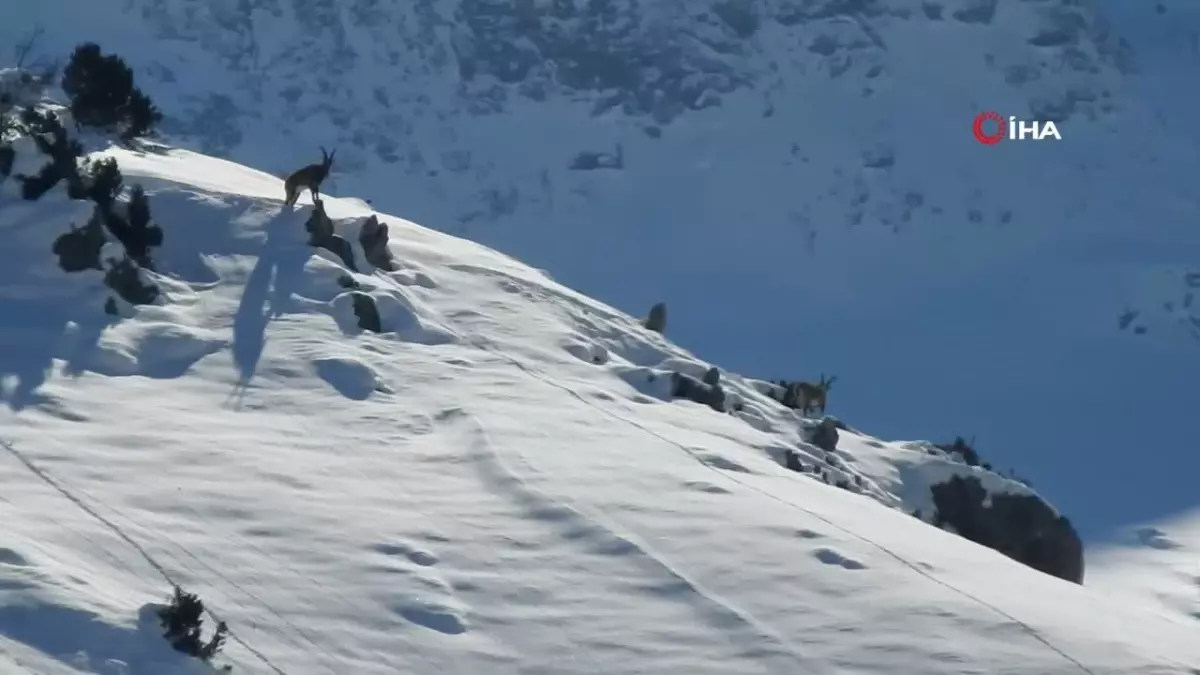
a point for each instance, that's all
(1022, 526)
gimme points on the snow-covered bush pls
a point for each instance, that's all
(182, 623)
(50, 136)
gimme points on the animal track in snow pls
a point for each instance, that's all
(832, 557)
(705, 486)
(724, 463)
(435, 616)
(414, 554)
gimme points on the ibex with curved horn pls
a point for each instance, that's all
(815, 395)
(806, 396)
(309, 177)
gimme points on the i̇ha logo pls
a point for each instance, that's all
(990, 128)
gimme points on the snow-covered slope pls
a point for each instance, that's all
(799, 182)
(1157, 565)
(493, 484)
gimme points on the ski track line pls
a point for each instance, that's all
(1027, 628)
(605, 539)
(69, 496)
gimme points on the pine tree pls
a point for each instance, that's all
(103, 95)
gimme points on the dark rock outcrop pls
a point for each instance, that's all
(373, 237)
(824, 434)
(686, 386)
(1022, 526)
(367, 313)
(321, 235)
(657, 321)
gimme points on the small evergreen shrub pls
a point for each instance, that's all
(140, 235)
(103, 94)
(182, 622)
(50, 136)
(104, 182)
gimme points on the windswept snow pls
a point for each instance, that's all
(1157, 565)
(493, 484)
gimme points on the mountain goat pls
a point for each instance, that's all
(309, 177)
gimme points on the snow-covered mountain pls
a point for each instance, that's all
(1157, 565)
(497, 480)
(797, 179)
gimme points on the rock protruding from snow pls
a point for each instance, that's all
(321, 235)
(711, 395)
(1022, 526)
(374, 241)
(657, 321)
(823, 434)
(367, 313)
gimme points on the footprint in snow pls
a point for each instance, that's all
(705, 486)
(433, 616)
(724, 463)
(414, 554)
(809, 534)
(832, 557)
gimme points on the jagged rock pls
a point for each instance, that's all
(321, 235)
(374, 241)
(124, 277)
(79, 249)
(686, 386)
(367, 313)
(657, 321)
(792, 461)
(824, 434)
(319, 225)
(712, 377)
(1022, 526)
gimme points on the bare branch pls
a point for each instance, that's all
(21, 51)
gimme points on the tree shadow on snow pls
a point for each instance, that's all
(83, 640)
(266, 294)
(36, 332)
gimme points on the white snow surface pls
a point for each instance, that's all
(943, 285)
(1157, 564)
(494, 484)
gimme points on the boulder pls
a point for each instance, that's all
(367, 313)
(1022, 526)
(657, 321)
(321, 235)
(373, 237)
(686, 386)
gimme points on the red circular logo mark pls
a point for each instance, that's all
(983, 136)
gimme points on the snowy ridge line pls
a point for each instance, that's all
(485, 452)
(1033, 632)
(117, 530)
